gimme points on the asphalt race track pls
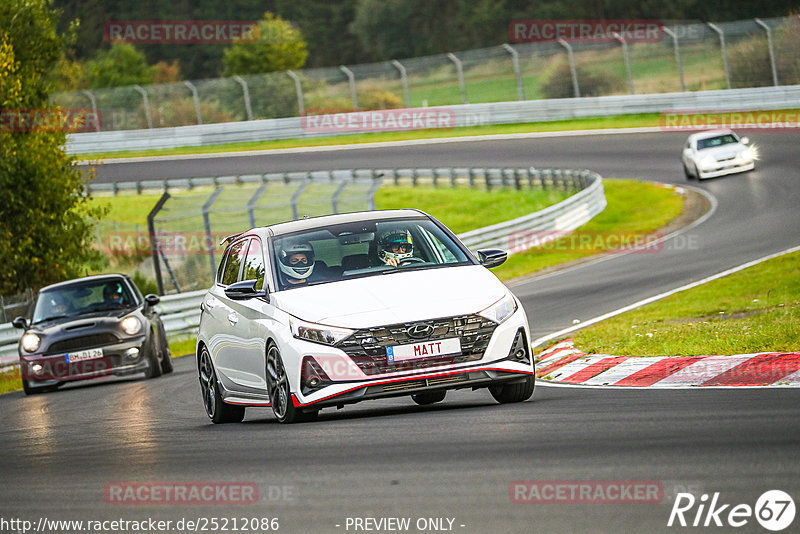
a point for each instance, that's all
(457, 460)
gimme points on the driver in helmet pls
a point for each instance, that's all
(58, 305)
(395, 246)
(296, 262)
(112, 295)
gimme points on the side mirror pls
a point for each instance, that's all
(20, 322)
(152, 300)
(492, 257)
(745, 140)
(244, 290)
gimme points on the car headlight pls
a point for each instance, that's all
(317, 333)
(747, 154)
(708, 162)
(131, 325)
(500, 310)
(31, 342)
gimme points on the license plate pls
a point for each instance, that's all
(90, 354)
(425, 349)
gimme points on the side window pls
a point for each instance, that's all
(254, 263)
(232, 262)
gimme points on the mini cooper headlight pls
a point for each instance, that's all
(30, 342)
(317, 333)
(500, 310)
(131, 325)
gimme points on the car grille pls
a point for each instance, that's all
(83, 342)
(367, 347)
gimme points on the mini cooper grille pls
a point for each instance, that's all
(83, 342)
(367, 347)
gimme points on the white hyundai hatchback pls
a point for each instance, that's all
(333, 310)
(716, 153)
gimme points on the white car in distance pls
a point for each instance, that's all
(717, 153)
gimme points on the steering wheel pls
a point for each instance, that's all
(412, 259)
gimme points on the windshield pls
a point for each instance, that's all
(83, 297)
(719, 140)
(365, 248)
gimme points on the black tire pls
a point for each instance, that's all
(33, 390)
(216, 409)
(516, 392)
(686, 172)
(166, 357)
(279, 390)
(424, 399)
(153, 363)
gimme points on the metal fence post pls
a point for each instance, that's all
(627, 60)
(296, 198)
(351, 79)
(207, 226)
(146, 102)
(377, 180)
(336, 194)
(722, 51)
(677, 55)
(573, 71)
(771, 50)
(154, 249)
(251, 204)
(515, 61)
(301, 107)
(195, 100)
(246, 95)
(93, 100)
(403, 80)
(460, 72)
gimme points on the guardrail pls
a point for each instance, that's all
(181, 312)
(755, 99)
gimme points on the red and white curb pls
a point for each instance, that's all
(563, 363)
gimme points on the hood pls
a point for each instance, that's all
(399, 297)
(722, 152)
(104, 318)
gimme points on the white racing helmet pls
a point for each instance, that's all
(299, 270)
(395, 238)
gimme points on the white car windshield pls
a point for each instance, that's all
(364, 248)
(712, 142)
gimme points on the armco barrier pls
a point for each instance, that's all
(181, 312)
(760, 98)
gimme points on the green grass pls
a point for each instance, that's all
(467, 209)
(634, 210)
(754, 310)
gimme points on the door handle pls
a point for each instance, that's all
(233, 318)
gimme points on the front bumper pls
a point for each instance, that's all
(346, 382)
(727, 168)
(117, 359)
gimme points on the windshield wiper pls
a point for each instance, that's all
(52, 318)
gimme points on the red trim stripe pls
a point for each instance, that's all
(560, 363)
(759, 370)
(596, 368)
(658, 371)
(298, 404)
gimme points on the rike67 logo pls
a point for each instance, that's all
(774, 510)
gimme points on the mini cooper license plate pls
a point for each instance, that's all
(425, 349)
(90, 354)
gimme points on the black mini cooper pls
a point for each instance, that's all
(91, 327)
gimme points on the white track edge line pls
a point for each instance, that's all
(654, 298)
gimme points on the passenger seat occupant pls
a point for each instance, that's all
(296, 261)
